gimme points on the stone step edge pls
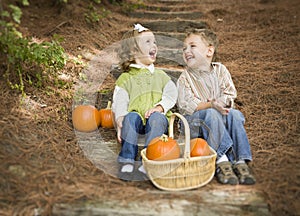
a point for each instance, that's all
(236, 201)
(166, 12)
(170, 70)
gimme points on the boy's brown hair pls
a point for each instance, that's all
(209, 36)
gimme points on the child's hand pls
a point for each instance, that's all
(219, 106)
(119, 127)
(158, 108)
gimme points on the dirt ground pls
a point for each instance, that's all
(41, 162)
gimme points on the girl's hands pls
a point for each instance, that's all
(158, 108)
(219, 106)
(119, 122)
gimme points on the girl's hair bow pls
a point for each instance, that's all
(138, 27)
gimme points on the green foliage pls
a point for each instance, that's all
(130, 6)
(93, 15)
(97, 1)
(16, 13)
(24, 2)
(115, 2)
(27, 62)
(60, 2)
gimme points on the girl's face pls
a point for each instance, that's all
(147, 52)
(196, 52)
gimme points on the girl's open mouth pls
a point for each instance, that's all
(152, 54)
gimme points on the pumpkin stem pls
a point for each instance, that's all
(164, 138)
(108, 105)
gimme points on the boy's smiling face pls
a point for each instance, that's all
(147, 52)
(196, 52)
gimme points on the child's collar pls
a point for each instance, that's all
(150, 67)
(213, 67)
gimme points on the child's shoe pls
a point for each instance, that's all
(126, 171)
(225, 174)
(244, 174)
(141, 174)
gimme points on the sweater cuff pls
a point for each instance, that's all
(165, 106)
(194, 104)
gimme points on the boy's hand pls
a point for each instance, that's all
(119, 122)
(158, 108)
(219, 106)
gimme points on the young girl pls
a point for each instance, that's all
(142, 98)
(205, 96)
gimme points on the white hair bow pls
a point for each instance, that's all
(139, 27)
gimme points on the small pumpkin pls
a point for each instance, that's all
(106, 116)
(199, 147)
(85, 118)
(163, 148)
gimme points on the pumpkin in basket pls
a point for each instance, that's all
(106, 116)
(85, 118)
(163, 148)
(199, 147)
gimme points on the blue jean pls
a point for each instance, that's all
(133, 128)
(224, 133)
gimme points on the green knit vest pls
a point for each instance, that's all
(144, 89)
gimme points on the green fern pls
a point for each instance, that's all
(26, 61)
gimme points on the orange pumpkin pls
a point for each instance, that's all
(85, 118)
(199, 147)
(106, 116)
(163, 148)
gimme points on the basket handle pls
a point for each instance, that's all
(187, 148)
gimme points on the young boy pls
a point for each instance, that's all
(206, 96)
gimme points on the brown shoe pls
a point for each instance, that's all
(225, 174)
(243, 172)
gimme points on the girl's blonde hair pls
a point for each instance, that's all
(209, 36)
(129, 46)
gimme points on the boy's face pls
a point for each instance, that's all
(148, 49)
(196, 52)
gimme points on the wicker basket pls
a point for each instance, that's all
(183, 173)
